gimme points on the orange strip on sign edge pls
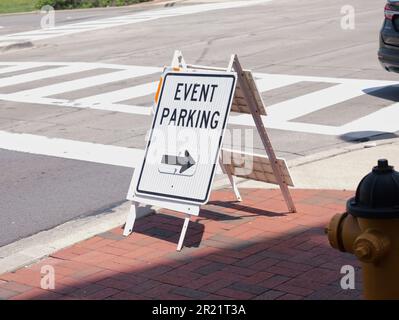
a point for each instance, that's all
(158, 90)
(160, 85)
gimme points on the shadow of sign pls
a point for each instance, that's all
(167, 227)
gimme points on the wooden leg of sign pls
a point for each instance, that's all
(131, 218)
(225, 169)
(183, 233)
(231, 179)
(251, 100)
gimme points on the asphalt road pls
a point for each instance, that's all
(13, 23)
(40, 192)
(300, 54)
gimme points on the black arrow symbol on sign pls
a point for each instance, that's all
(185, 162)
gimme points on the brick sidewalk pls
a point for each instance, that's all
(248, 250)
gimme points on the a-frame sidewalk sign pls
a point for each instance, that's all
(196, 100)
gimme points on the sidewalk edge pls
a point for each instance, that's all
(337, 152)
(26, 251)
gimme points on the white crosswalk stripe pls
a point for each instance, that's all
(312, 102)
(84, 83)
(121, 95)
(280, 116)
(15, 68)
(384, 120)
(71, 149)
(40, 75)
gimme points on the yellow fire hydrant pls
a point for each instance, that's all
(370, 230)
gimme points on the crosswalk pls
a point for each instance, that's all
(71, 149)
(105, 101)
(56, 84)
(139, 17)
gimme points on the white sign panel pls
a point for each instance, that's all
(186, 136)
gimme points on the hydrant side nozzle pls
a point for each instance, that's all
(362, 252)
(342, 231)
(371, 246)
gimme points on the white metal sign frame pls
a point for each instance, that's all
(142, 191)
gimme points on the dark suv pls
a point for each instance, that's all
(389, 37)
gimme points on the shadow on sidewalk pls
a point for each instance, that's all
(228, 254)
(237, 206)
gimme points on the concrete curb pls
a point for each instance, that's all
(137, 5)
(18, 45)
(29, 250)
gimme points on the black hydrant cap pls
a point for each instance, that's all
(383, 166)
(377, 196)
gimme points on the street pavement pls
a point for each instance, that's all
(88, 85)
(15, 23)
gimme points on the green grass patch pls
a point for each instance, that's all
(10, 6)
(71, 4)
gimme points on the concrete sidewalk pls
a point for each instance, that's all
(248, 250)
(338, 169)
(343, 169)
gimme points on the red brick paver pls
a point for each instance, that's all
(254, 249)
